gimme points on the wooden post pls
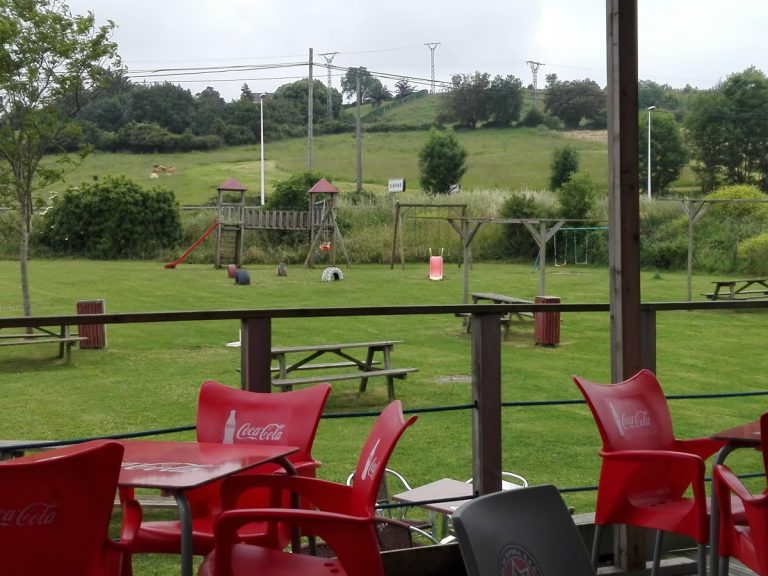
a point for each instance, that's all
(624, 224)
(486, 394)
(256, 354)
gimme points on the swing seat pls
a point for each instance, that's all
(435, 267)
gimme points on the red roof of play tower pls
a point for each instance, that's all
(322, 186)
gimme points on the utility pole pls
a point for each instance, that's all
(535, 71)
(310, 113)
(359, 137)
(432, 46)
(328, 100)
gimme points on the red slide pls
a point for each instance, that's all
(197, 243)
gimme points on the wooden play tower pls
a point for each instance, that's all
(324, 233)
(231, 230)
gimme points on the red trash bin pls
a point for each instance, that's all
(96, 334)
(547, 324)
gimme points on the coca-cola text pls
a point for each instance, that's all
(34, 514)
(272, 432)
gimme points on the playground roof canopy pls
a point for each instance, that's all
(322, 186)
(233, 184)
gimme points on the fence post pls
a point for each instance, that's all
(486, 395)
(256, 354)
(648, 339)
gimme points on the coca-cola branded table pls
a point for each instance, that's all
(178, 466)
(743, 436)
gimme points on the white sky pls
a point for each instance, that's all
(696, 42)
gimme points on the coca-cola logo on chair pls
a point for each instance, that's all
(30, 515)
(272, 432)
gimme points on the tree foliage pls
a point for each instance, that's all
(112, 218)
(504, 100)
(372, 91)
(565, 163)
(49, 60)
(442, 162)
(669, 154)
(577, 197)
(574, 101)
(467, 101)
(728, 131)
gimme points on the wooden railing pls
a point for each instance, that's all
(256, 344)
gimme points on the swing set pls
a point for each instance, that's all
(573, 247)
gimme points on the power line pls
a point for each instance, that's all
(535, 72)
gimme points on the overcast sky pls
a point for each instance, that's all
(696, 42)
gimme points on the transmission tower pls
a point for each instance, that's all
(535, 71)
(432, 46)
(328, 100)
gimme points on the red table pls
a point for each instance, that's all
(743, 436)
(179, 466)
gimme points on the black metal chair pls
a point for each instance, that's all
(525, 531)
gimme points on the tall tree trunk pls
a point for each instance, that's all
(23, 262)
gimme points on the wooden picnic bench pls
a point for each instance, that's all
(744, 289)
(365, 367)
(495, 298)
(64, 338)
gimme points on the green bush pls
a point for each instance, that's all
(576, 197)
(753, 255)
(738, 210)
(113, 218)
(565, 163)
(441, 162)
(516, 243)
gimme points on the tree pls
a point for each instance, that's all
(403, 88)
(371, 89)
(728, 130)
(467, 102)
(574, 101)
(505, 100)
(565, 163)
(668, 152)
(576, 197)
(441, 162)
(49, 60)
(167, 105)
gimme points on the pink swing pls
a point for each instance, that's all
(435, 266)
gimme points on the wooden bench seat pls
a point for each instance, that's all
(65, 342)
(389, 373)
(324, 366)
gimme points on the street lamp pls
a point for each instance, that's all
(261, 145)
(648, 163)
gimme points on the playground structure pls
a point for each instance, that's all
(573, 246)
(542, 231)
(235, 217)
(196, 243)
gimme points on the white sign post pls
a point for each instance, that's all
(396, 185)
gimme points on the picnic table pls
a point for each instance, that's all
(361, 356)
(493, 297)
(63, 337)
(745, 289)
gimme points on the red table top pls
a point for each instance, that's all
(746, 434)
(175, 465)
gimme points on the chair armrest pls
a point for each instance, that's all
(701, 447)
(132, 516)
(353, 538)
(313, 492)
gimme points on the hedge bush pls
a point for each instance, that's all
(112, 218)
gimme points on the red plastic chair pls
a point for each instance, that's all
(344, 516)
(648, 478)
(742, 534)
(289, 418)
(747, 542)
(55, 512)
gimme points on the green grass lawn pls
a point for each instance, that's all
(149, 375)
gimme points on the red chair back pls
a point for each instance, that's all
(55, 512)
(631, 415)
(289, 418)
(371, 465)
